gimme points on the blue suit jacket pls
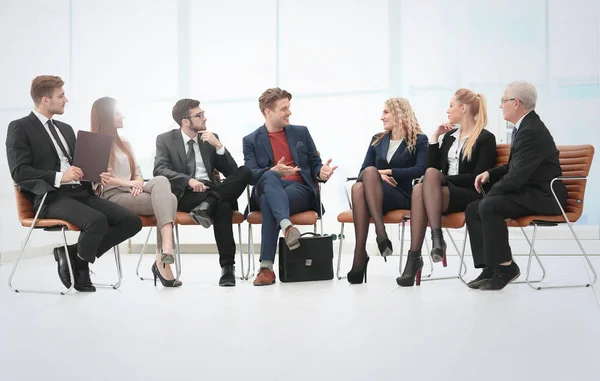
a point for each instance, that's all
(258, 155)
(405, 165)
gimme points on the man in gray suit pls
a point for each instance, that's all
(188, 157)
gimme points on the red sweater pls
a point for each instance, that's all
(281, 148)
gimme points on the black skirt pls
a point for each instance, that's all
(460, 197)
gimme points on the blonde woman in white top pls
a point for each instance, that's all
(466, 150)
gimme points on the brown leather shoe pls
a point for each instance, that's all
(292, 235)
(265, 277)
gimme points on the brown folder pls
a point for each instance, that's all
(92, 152)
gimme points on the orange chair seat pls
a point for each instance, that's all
(453, 220)
(391, 217)
(48, 223)
(527, 220)
(183, 218)
(148, 221)
(303, 218)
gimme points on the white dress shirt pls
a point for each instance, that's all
(201, 173)
(454, 152)
(64, 162)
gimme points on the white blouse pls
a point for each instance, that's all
(454, 152)
(121, 168)
(394, 144)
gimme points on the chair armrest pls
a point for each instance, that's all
(569, 178)
(554, 193)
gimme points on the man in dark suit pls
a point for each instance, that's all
(40, 157)
(188, 157)
(285, 165)
(520, 188)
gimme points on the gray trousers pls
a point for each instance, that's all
(156, 200)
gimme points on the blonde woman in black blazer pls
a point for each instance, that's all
(448, 184)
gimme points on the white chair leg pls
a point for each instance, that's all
(532, 249)
(18, 290)
(241, 251)
(137, 269)
(585, 255)
(177, 253)
(247, 275)
(116, 284)
(401, 229)
(339, 259)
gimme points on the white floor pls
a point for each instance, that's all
(301, 331)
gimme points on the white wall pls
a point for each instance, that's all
(340, 59)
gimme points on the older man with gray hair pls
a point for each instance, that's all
(520, 188)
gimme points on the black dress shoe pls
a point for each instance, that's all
(63, 270)
(485, 275)
(227, 276)
(83, 282)
(502, 276)
(201, 214)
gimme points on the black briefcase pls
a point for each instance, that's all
(313, 260)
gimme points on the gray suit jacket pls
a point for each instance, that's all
(170, 161)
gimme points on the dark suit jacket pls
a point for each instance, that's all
(258, 156)
(405, 165)
(32, 158)
(483, 157)
(532, 164)
(170, 161)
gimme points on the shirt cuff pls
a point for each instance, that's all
(57, 179)
(221, 151)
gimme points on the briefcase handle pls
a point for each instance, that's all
(333, 236)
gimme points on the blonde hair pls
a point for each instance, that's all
(478, 108)
(405, 118)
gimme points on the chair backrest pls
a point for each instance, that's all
(502, 154)
(575, 160)
(24, 206)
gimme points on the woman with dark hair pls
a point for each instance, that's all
(395, 157)
(126, 187)
(466, 150)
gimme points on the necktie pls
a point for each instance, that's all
(513, 135)
(58, 141)
(191, 159)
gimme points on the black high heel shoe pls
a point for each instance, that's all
(438, 249)
(356, 277)
(163, 281)
(412, 271)
(385, 247)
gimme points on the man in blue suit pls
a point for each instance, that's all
(285, 165)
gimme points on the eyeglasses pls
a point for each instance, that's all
(502, 100)
(199, 116)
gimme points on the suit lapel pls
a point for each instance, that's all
(179, 145)
(263, 140)
(40, 127)
(385, 146)
(292, 143)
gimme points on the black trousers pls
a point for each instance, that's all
(488, 232)
(226, 195)
(103, 224)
